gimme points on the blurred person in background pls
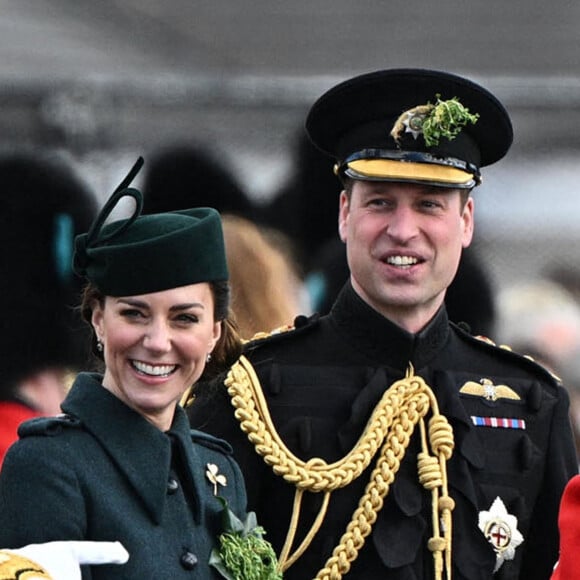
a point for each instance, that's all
(305, 206)
(566, 275)
(569, 372)
(342, 469)
(471, 297)
(43, 206)
(327, 274)
(267, 291)
(540, 318)
(186, 175)
(568, 566)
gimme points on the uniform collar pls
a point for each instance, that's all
(382, 340)
(140, 450)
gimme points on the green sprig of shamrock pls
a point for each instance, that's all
(446, 119)
(243, 554)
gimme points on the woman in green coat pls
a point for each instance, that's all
(120, 463)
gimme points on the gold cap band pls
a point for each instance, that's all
(389, 169)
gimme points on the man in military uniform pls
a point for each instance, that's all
(381, 440)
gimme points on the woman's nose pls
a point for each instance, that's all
(158, 337)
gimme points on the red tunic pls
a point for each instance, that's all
(12, 414)
(569, 522)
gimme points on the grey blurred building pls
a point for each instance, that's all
(110, 80)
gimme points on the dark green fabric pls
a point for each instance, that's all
(150, 253)
(102, 473)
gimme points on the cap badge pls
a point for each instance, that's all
(490, 392)
(412, 120)
(215, 478)
(443, 119)
(501, 531)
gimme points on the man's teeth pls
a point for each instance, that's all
(401, 260)
(154, 370)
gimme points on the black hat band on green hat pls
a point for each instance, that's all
(151, 253)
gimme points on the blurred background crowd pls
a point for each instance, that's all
(213, 94)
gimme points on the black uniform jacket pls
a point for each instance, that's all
(322, 381)
(103, 472)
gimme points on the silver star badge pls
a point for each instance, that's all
(501, 530)
(414, 123)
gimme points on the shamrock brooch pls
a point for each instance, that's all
(215, 478)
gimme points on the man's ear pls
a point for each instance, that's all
(343, 211)
(468, 222)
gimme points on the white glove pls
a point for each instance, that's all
(62, 560)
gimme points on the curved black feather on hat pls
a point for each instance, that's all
(150, 253)
(91, 238)
(122, 190)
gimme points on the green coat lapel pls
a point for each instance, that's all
(139, 450)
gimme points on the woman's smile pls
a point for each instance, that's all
(153, 370)
(156, 346)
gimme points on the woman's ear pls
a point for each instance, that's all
(97, 320)
(217, 332)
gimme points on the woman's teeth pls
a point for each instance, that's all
(153, 370)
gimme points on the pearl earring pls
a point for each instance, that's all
(208, 357)
(99, 345)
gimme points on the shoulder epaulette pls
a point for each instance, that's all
(506, 350)
(301, 324)
(211, 442)
(48, 426)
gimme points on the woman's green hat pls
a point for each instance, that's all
(150, 253)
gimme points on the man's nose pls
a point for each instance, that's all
(402, 225)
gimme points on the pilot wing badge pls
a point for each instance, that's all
(490, 392)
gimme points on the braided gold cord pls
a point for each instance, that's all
(441, 439)
(403, 405)
(371, 502)
(315, 474)
(433, 477)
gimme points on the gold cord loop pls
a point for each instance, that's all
(387, 435)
